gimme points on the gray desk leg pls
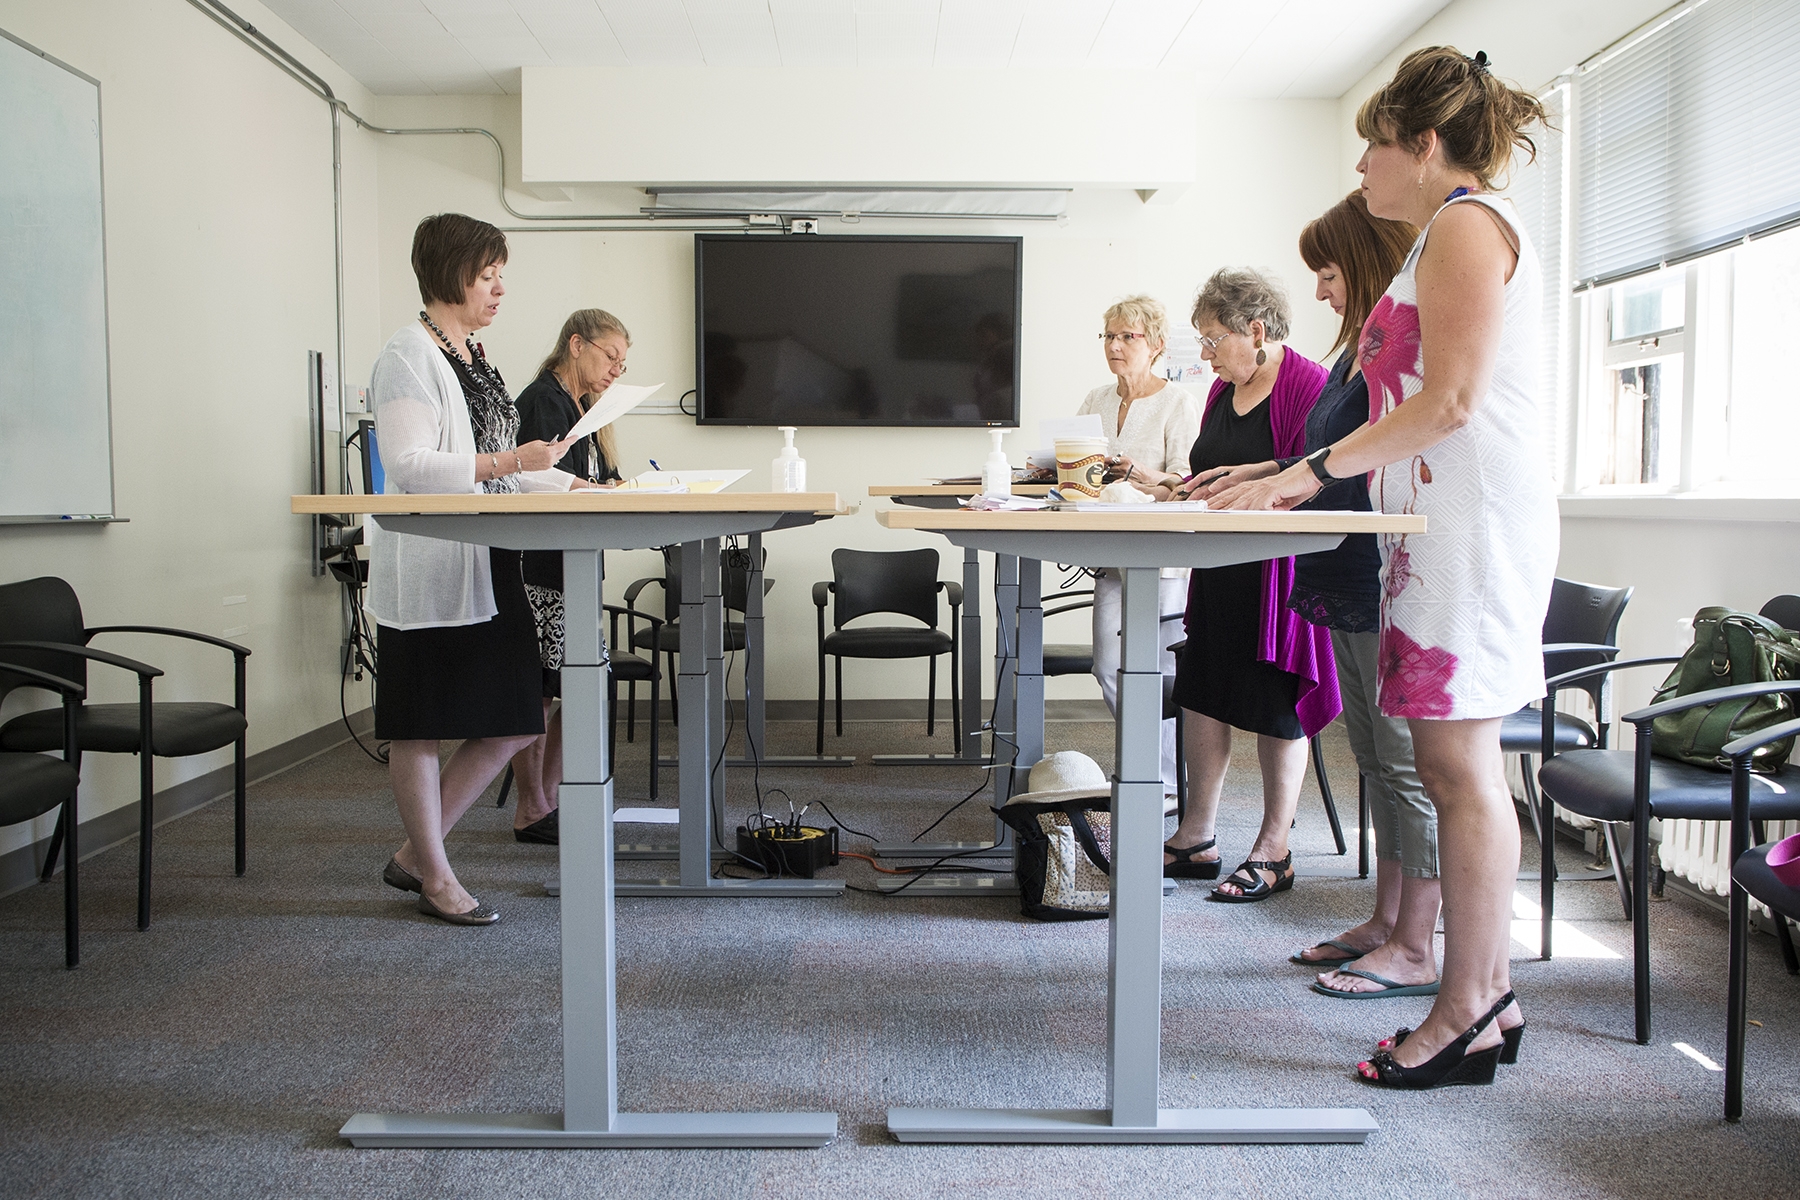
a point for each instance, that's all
(702, 737)
(590, 1118)
(1028, 680)
(1134, 960)
(1006, 659)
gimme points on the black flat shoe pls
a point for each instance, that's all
(1186, 866)
(397, 876)
(1248, 876)
(481, 914)
(1509, 1042)
(1452, 1065)
(545, 831)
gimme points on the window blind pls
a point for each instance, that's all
(1537, 190)
(1688, 137)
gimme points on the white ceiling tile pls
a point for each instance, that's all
(1137, 33)
(734, 33)
(653, 32)
(895, 35)
(814, 33)
(579, 50)
(1058, 33)
(477, 20)
(978, 33)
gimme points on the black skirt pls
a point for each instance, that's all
(1219, 675)
(464, 681)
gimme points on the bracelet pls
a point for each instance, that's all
(494, 462)
(518, 462)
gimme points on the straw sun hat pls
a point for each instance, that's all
(1065, 775)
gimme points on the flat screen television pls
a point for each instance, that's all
(808, 329)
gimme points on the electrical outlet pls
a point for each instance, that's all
(804, 225)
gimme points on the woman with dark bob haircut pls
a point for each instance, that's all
(1457, 431)
(455, 638)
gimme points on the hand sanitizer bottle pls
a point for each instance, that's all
(996, 473)
(787, 473)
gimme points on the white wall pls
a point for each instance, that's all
(219, 277)
(1266, 170)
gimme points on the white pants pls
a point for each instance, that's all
(1172, 598)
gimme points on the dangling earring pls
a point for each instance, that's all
(1262, 356)
(1421, 181)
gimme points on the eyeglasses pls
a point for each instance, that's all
(1213, 344)
(1126, 338)
(616, 361)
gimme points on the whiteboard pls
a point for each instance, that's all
(55, 401)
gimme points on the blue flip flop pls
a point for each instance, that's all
(1388, 987)
(1350, 955)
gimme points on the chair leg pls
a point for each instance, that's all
(820, 747)
(240, 770)
(840, 695)
(1331, 812)
(955, 702)
(631, 711)
(1180, 767)
(1640, 926)
(1362, 826)
(1787, 944)
(56, 841)
(1611, 833)
(71, 894)
(931, 698)
(506, 782)
(146, 819)
(1543, 816)
(674, 693)
(1739, 920)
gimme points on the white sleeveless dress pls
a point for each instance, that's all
(1463, 604)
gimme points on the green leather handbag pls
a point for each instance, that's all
(1730, 648)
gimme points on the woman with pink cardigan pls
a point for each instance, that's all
(1250, 663)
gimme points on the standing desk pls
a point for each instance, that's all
(582, 524)
(1139, 543)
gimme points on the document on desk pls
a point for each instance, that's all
(683, 481)
(613, 403)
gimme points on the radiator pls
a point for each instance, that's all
(1700, 852)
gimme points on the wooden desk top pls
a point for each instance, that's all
(586, 500)
(954, 489)
(1152, 518)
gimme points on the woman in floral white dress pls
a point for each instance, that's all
(1456, 432)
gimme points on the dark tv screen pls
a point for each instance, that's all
(807, 329)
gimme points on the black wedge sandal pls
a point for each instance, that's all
(1186, 866)
(1453, 1064)
(1509, 1041)
(1248, 877)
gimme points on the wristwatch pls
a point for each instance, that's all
(1316, 460)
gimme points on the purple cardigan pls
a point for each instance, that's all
(1288, 641)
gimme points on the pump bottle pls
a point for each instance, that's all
(996, 473)
(787, 473)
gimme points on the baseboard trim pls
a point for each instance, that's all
(887, 710)
(19, 868)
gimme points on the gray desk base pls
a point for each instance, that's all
(544, 1131)
(1072, 1126)
(731, 887)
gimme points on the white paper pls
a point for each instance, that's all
(684, 481)
(1064, 427)
(613, 403)
(647, 816)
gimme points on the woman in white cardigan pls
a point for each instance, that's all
(456, 643)
(1150, 425)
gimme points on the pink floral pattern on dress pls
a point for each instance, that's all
(1388, 349)
(1399, 572)
(1413, 680)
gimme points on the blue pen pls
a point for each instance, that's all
(653, 465)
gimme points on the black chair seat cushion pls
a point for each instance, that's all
(1068, 658)
(33, 784)
(887, 641)
(630, 667)
(645, 639)
(1598, 784)
(177, 728)
(1752, 871)
(1523, 732)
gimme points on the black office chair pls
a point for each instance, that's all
(1581, 629)
(1751, 876)
(1637, 785)
(663, 636)
(1318, 759)
(901, 581)
(33, 784)
(1068, 658)
(42, 620)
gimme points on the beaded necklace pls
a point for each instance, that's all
(492, 417)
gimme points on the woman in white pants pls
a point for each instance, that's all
(1149, 424)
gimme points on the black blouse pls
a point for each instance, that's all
(546, 414)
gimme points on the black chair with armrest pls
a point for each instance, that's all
(1581, 627)
(1751, 876)
(662, 636)
(633, 669)
(33, 784)
(1636, 785)
(1068, 658)
(904, 582)
(42, 620)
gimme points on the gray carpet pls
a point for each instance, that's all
(219, 1052)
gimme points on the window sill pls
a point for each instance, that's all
(1681, 507)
